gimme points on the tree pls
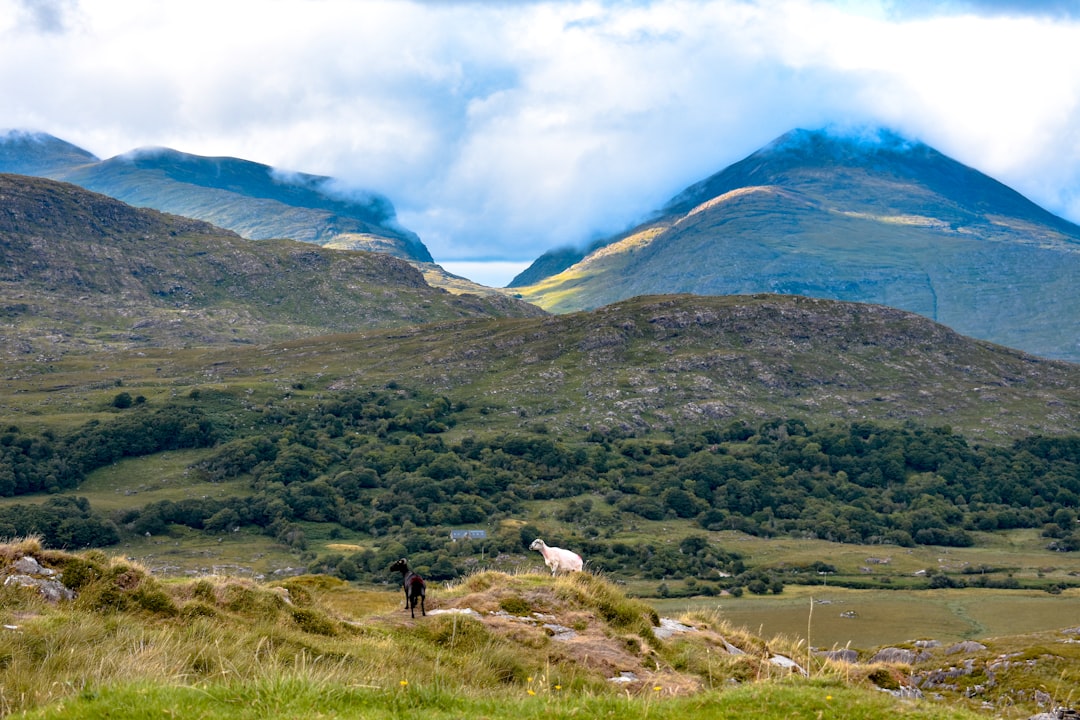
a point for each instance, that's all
(223, 520)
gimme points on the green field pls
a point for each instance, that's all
(889, 617)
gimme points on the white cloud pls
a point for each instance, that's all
(501, 130)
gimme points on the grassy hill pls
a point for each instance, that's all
(504, 645)
(887, 222)
(647, 365)
(654, 364)
(82, 271)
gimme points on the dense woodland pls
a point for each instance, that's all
(383, 464)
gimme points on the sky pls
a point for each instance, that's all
(501, 130)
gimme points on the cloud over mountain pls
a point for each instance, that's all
(501, 130)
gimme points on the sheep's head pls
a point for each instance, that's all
(536, 544)
(400, 566)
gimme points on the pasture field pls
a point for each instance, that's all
(135, 482)
(888, 617)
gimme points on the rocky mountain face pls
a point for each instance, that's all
(875, 219)
(249, 198)
(79, 270)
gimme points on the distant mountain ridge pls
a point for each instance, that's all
(252, 199)
(867, 218)
(30, 153)
(83, 271)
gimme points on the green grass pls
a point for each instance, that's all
(144, 480)
(288, 697)
(132, 646)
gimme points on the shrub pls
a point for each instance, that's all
(314, 622)
(154, 600)
(515, 605)
(78, 572)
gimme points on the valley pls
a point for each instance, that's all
(274, 413)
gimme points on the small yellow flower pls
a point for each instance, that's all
(558, 687)
(657, 688)
(404, 683)
(531, 691)
(828, 697)
(528, 679)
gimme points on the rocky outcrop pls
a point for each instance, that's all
(29, 573)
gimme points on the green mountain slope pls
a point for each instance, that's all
(888, 222)
(674, 363)
(81, 270)
(249, 198)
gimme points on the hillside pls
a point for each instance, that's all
(115, 641)
(644, 366)
(655, 363)
(884, 221)
(251, 199)
(82, 271)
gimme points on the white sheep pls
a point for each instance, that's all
(558, 559)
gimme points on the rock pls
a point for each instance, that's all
(968, 646)
(28, 565)
(30, 573)
(669, 627)
(1058, 713)
(787, 664)
(731, 648)
(52, 590)
(624, 677)
(846, 655)
(560, 632)
(905, 692)
(894, 655)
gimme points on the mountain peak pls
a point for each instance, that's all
(862, 215)
(30, 152)
(854, 158)
(255, 200)
(852, 141)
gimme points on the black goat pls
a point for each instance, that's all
(413, 585)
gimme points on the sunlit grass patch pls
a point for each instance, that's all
(288, 696)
